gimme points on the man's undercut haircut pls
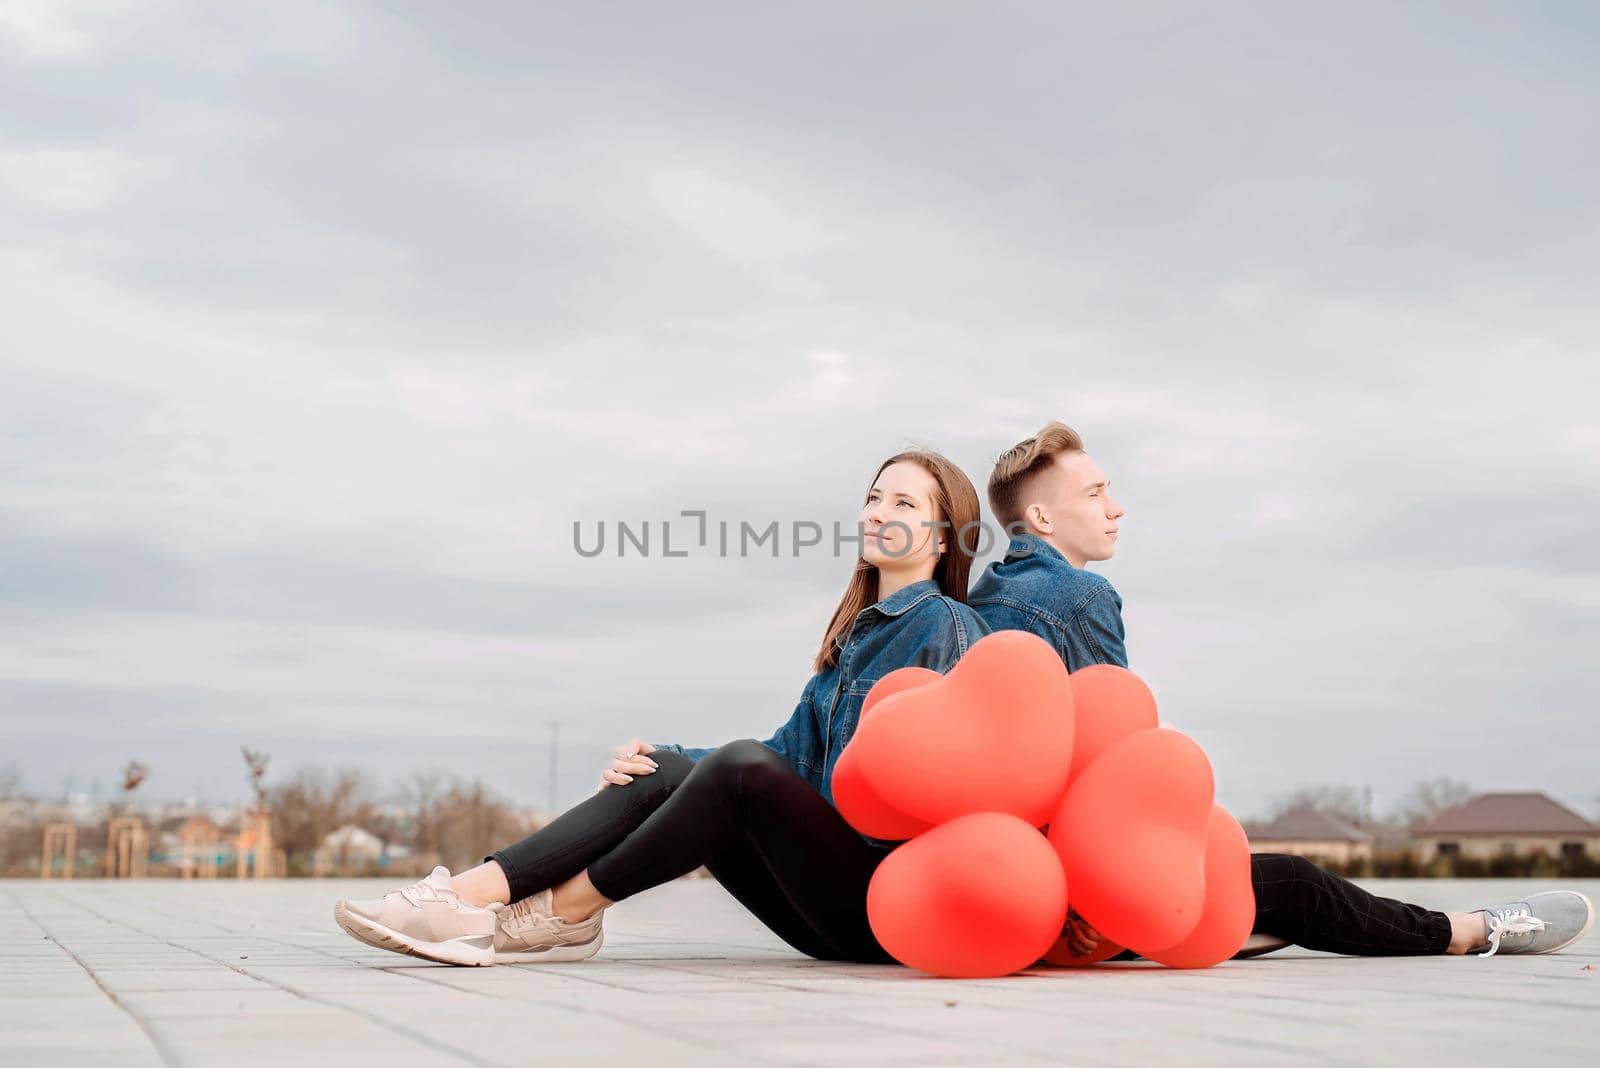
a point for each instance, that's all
(1017, 471)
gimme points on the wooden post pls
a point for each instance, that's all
(139, 868)
(266, 854)
(198, 837)
(66, 836)
(256, 855)
(127, 848)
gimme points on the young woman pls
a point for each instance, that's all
(759, 815)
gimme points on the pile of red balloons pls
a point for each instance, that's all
(972, 765)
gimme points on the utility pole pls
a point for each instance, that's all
(555, 766)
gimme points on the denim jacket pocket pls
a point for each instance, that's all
(861, 687)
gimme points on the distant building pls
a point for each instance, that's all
(1307, 831)
(198, 829)
(1508, 825)
(351, 844)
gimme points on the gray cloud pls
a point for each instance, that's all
(105, 571)
(324, 324)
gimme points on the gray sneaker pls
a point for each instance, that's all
(529, 932)
(1540, 923)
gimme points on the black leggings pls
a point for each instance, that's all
(1298, 901)
(765, 833)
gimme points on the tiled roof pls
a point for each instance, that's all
(1308, 823)
(1524, 813)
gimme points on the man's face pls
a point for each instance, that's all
(1080, 512)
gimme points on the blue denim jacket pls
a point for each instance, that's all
(914, 626)
(1035, 589)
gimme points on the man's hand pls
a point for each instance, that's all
(628, 760)
(1082, 939)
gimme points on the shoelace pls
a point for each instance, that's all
(519, 916)
(1514, 922)
(419, 892)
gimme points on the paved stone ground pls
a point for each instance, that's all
(173, 973)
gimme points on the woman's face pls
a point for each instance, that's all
(898, 532)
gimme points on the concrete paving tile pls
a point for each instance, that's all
(315, 1034)
(131, 980)
(37, 1030)
(243, 973)
(25, 988)
(157, 1004)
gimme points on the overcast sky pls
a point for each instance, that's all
(321, 324)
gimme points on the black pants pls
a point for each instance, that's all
(1298, 901)
(772, 840)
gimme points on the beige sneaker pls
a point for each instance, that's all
(530, 933)
(425, 919)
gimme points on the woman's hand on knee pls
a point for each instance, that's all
(628, 760)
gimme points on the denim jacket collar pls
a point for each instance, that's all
(1037, 589)
(905, 597)
(1025, 545)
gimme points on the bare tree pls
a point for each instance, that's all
(313, 804)
(19, 844)
(256, 768)
(133, 774)
(458, 822)
(1345, 802)
(421, 798)
(1427, 799)
(10, 781)
(473, 822)
(385, 824)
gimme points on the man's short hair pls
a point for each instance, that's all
(1018, 468)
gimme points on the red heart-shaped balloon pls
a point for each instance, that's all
(978, 897)
(853, 796)
(992, 735)
(897, 681)
(1131, 833)
(1230, 908)
(1109, 703)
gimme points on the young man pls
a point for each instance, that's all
(1057, 504)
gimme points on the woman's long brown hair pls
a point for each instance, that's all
(955, 502)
